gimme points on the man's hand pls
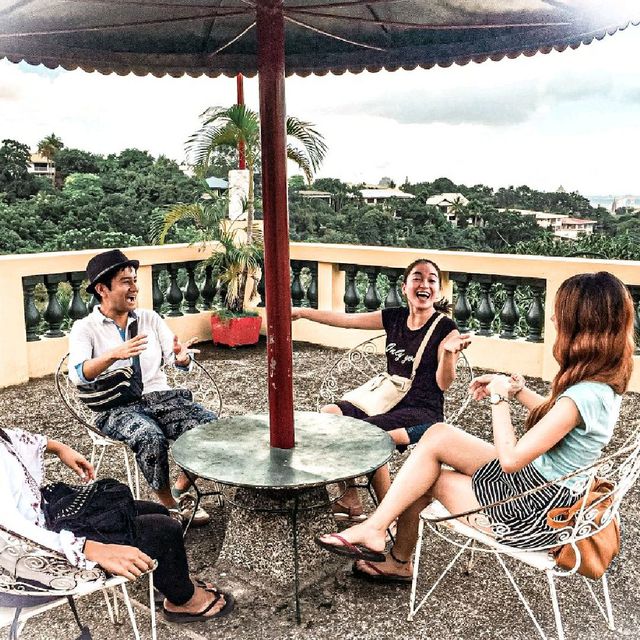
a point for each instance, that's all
(119, 559)
(457, 343)
(182, 351)
(130, 348)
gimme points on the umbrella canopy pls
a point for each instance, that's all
(216, 37)
(274, 37)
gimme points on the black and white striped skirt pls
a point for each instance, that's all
(520, 523)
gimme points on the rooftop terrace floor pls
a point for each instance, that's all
(480, 605)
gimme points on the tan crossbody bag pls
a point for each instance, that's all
(384, 391)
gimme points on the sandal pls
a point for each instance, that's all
(382, 576)
(182, 617)
(379, 576)
(348, 513)
(348, 550)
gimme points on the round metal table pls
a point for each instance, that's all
(328, 448)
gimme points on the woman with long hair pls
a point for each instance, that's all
(406, 327)
(594, 347)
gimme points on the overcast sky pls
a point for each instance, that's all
(570, 118)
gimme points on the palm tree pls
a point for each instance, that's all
(234, 262)
(227, 127)
(49, 146)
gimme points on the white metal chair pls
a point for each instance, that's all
(368, 358)
(34, 580)
(475, 532)
(198, 380)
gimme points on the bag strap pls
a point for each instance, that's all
(135, 361)
(423, 345)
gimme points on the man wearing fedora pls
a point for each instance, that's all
(102, 341)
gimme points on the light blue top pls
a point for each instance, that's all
(599, 407)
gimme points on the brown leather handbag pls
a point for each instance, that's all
(596, 551)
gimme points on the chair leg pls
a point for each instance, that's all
(554, 603)
(470, 561)
(524, 601)
(110, 613)
(152, 607)
(97, 466)
(412, 608)
(127, 467)
(607, 603)
(132, 617)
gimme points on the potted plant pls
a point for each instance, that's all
(236, 264)
(239, 260)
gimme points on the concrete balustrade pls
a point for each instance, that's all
(328, 272)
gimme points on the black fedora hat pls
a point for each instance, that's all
(103, 263)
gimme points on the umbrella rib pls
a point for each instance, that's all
(346, 3)
(331, 35)
(228, 44)
(156, 5)
(124, 25)
(424, 26)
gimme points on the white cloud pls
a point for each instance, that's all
(565, 118)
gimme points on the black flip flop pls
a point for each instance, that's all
(380, 576)
(348, 550)
(183, 617)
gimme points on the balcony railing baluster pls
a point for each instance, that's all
(635, 295)
(509, 314)
(486, 312)
(174, 293)
(297, 292)
(192, 293)
(31, 314)
(54, 313)
(261, 287)
(312, 289)
(77, 308)
(535, 314)
(462, 311)
(372, 300)
(158, 295)
(351, 298)
(393, 298)
(208, 291)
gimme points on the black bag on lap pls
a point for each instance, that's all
(115, 388)
(103, 511)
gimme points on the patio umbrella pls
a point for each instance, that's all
(278, 37)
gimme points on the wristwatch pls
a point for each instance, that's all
(496, 398)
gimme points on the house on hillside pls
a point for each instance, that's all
(323, 196)
(447, 204)
(43, 167)
(381, 195)
(561, 225)
(217, 185)
(573, 228)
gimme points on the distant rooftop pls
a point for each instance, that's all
(217, 183)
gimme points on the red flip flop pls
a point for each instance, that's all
(349, 550)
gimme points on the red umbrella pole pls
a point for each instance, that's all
(270, 33)
(242, 161)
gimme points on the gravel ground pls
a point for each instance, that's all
(482, 605)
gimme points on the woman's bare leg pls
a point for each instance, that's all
(350, 498)
(381, 480)
(441, 444)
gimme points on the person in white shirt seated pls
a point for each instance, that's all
(102, 342)
(158, 536)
